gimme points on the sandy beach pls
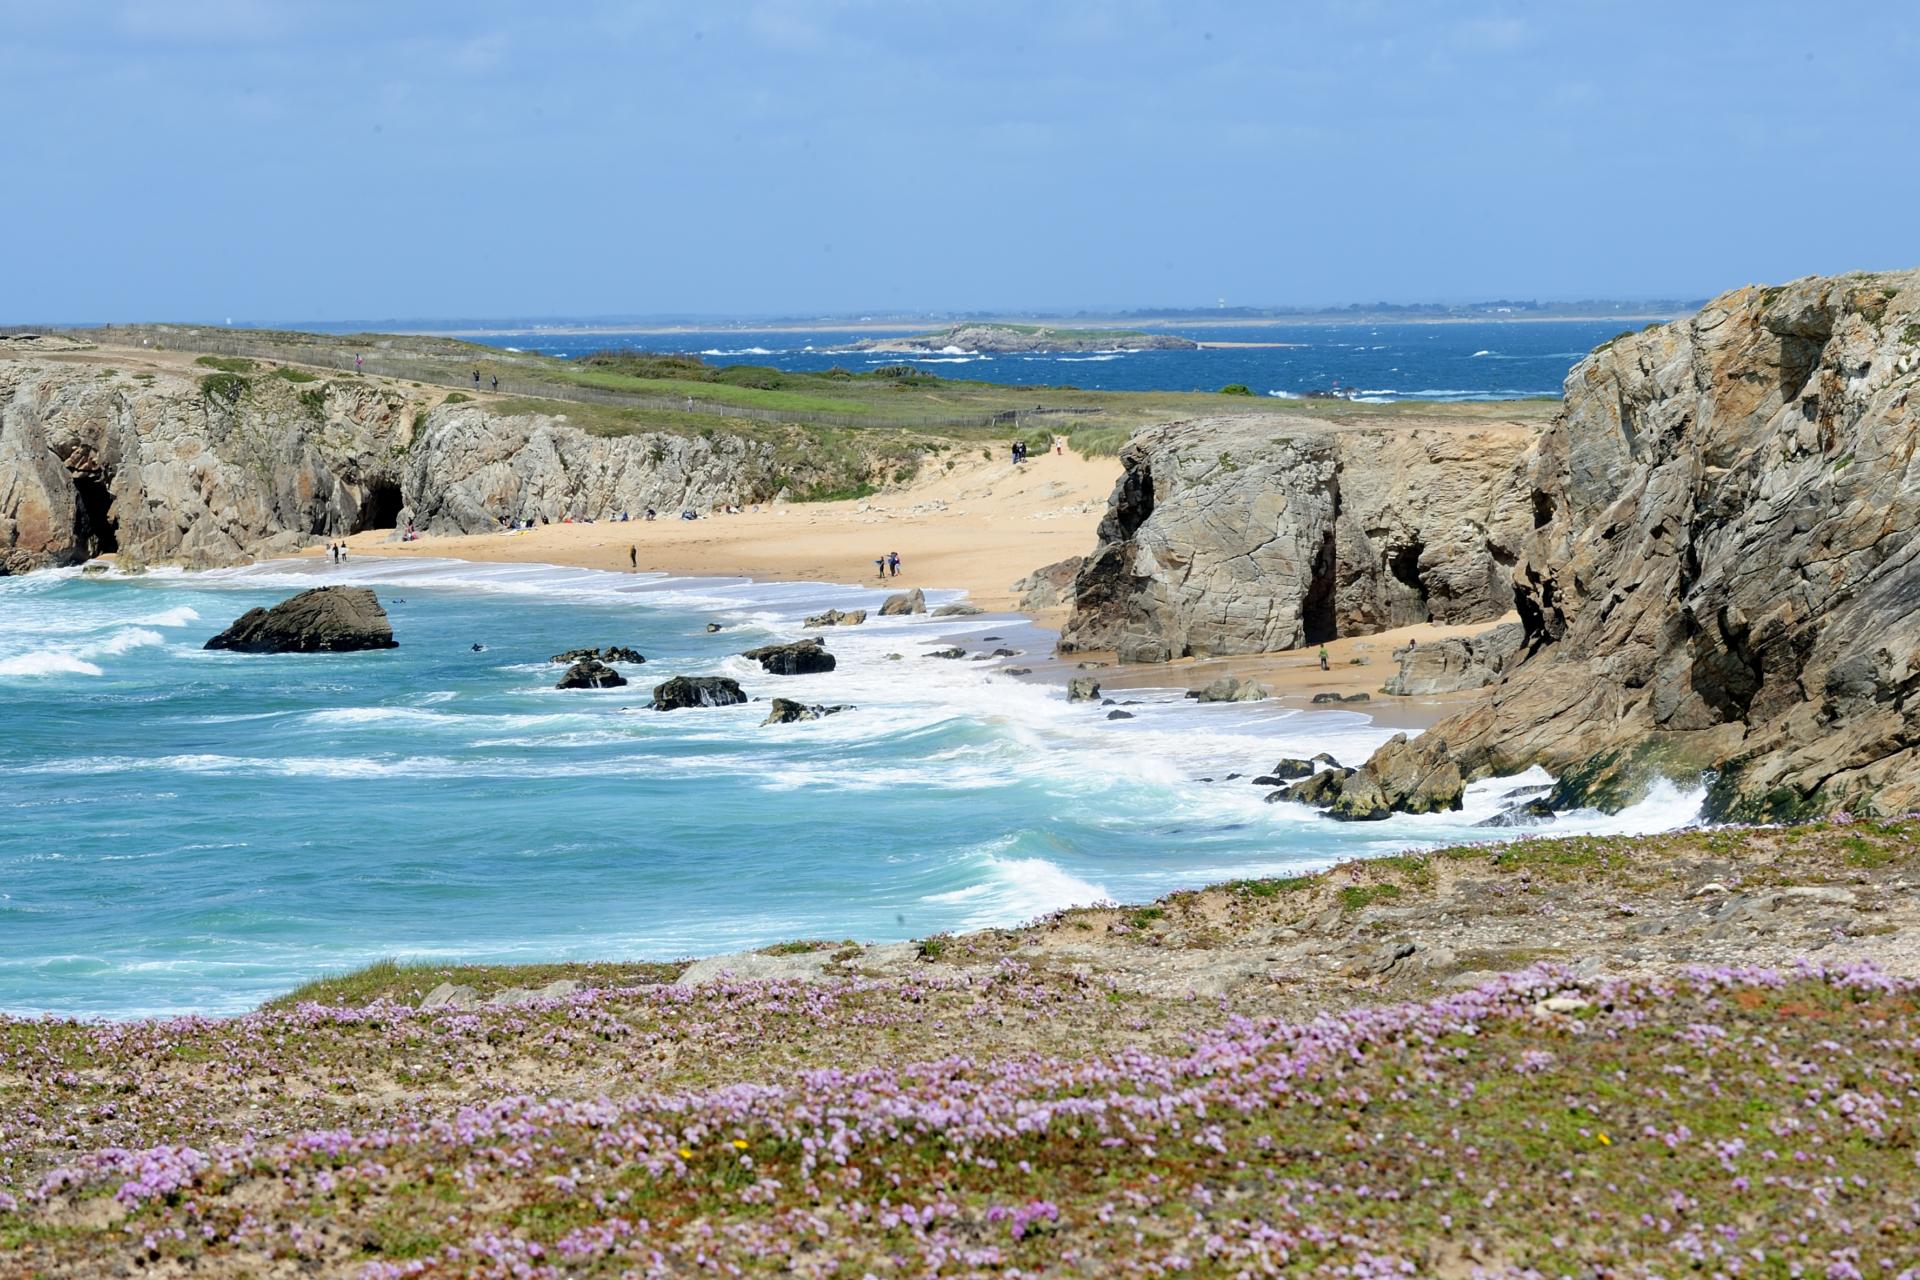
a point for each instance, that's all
(978, 528)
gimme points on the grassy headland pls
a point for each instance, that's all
(1670, 1095)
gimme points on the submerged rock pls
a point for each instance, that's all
(1231, 689)
(800, 658)
(787, 711)
(1083, 689)
(612, 653)
(591, 673)
(324, 620)
(697, 691)
(1417, 775)
(904, 602)
(953, 651)
(1527, 813)
(957, 610)
(1321, 790)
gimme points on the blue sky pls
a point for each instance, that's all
(201, 159)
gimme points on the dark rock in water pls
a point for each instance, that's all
(1358, 697)
(591, 673)
(1016, 671)
(957, 610)
(787, 711)
(1326, 697)
(904, 602)
(479, 648)
(1343, 697)
(1006, 653)
(697, 691)
(948, 653)
(1404, 776)
(324, 620)
(1528, 813)
(1231, 689)
(1089, 666)
(612, 653)
(1326, 757)
(1082, 689)
(985, 639)
(800, 658)
(712, 627)
(838, 618)
(1292, 767)
(1119, 715)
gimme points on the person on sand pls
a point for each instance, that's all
(893, 563)
(881, 566)
(633, 557)
(1323, 658)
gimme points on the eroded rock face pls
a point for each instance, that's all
(1725, 569)
(1245, 535)
(324, 620)
(1048, 587)
(1456, 663)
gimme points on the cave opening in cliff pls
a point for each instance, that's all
(380, 509)
(1319, 620)
(1404, 565)
(94, 530)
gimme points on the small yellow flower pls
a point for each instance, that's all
(1605, 1141)
(740, 1144)
(686, 1153)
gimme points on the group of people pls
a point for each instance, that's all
(338, 550)
(1019, 451)
(476, 381)
(888, 564)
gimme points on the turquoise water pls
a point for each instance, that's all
(191, 831)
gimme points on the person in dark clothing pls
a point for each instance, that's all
(633, 557)
(893, 563)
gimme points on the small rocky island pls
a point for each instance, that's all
(323, 620)
(1007, 339)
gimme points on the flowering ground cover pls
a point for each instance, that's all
(1001, 1114)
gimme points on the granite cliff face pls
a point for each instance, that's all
(1250, 534)
(217, 469)
(168, 467)
(1723, 569)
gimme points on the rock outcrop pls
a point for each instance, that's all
(902, 603)
(324, 620)
(590, 673)
(697, 691)
(838, 618)
(1456, 663)
(612, 653)
(1245, 535)
(1723, 573)
(1230, 689)
(800, 658)
(1048, 587)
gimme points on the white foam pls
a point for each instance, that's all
(179, 616)
(47, 663)
(1019, 889)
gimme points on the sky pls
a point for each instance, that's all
(278, 162)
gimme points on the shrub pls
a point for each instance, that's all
(290, 374)
(225, 387)
(226, 364)
(1236, 389)
(457, 397)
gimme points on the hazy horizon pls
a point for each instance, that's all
(271, 163)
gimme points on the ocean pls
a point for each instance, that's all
(1382, 362)
(193, 831)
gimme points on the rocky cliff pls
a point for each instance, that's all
(1723, 568)
(1250, 534)
(215, 469)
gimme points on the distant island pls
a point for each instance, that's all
(1002, 339)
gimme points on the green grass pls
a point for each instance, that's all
(1099, 442)
(457, 397)
(224, 387)
(1353, 897)
(408, 981)
(288, 373)
(226, 364)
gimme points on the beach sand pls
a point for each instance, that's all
(978, 527)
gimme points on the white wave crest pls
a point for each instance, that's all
(178, 616)
(47, 663)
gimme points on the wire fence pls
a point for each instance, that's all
(461, 373)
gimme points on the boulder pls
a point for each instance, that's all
(1288, 770)
(1405, 776)
(787, 711)
(957, 611)
(838, 618)
(1321, 790)
(324, 620)
(902, 603)
(800, 658)
(1527, 813)
(1016, 671)
(697, 691)
(1119, 715)
(1048, 587)
(712, 627)
(950, 652)
(612, 653)
(1456, 663)
(1322, 698)
(591, 673)
(1230, 689)
(1083, 689)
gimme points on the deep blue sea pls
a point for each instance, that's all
(183, 830)
(1441, 361)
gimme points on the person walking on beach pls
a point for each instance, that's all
(633, 557)
(1323, 658)
(893, 563)
(880, 567)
